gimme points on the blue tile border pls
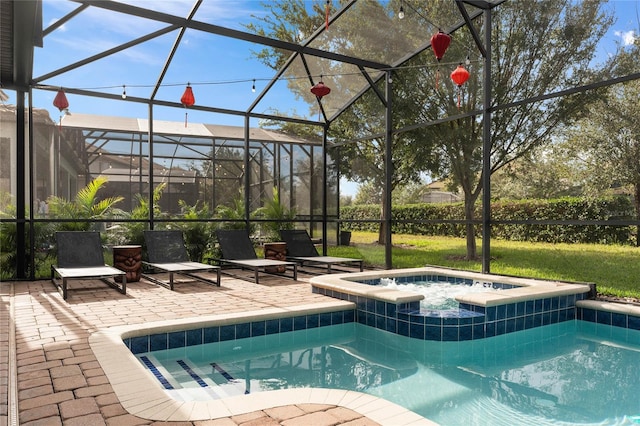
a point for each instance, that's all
(178, 339)
(469, 322)
(436, 278)
(606, 317)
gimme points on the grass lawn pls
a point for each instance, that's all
(614, 269)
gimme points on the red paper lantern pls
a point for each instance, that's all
(440, 43)
(320, 90)
(460, 75)
(60, 101)
(187, 100)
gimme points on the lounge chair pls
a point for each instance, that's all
(237, 250)
(167, 253)
(80, 256)
(301, 249)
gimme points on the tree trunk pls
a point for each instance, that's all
(383, 224)
(636, 204)
(472, 251)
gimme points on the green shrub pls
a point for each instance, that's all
(427, 219)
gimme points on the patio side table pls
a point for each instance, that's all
(275, 251)
(128, 259)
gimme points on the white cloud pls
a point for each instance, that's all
(627, 37)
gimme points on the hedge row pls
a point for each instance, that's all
(407, 220)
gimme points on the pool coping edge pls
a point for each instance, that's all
(142, 395)
(528, 288)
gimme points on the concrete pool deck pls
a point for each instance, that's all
(49, 373)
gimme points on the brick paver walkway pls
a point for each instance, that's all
(4, 354)
(59, 380)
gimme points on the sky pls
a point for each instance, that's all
(137, 69)
(224, 68)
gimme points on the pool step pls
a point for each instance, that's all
(184, 377)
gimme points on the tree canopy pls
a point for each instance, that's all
(437, 126)
(607, 140)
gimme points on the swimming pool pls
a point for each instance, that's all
(573, 372)
(143, 395)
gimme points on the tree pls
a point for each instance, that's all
(545, 172)
(363, 161)
(601, 149)
(528, 38)
(368, 193)
(607, 140)
(290, 20)
(411, 193)
(346, 200)
(222, 172)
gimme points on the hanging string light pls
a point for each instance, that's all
(187, 100)
(251, 81)
(124, 92)
(253, 88)
(401, 11)
(459, 76)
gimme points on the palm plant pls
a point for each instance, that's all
(282, 217)
(198, 234)
(133, 232)
(85, 205)
(235, 214)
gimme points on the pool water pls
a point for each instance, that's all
(438, 295)
(572, 372)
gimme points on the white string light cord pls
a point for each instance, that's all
(252, 81)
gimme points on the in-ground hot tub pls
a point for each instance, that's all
(520, 304)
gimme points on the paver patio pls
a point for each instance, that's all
(59, 380)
